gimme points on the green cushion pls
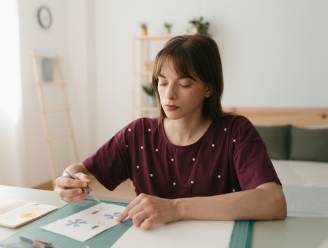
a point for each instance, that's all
(276, 139)
(309, 144)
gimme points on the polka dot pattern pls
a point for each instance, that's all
(165, 169)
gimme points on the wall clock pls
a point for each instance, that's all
(44, 17)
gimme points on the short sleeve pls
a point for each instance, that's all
(251, 161)
(110, 163)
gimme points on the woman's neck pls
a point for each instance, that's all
(185, 131)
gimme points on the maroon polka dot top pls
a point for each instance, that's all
(229, 157)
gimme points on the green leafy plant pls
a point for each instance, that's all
(168, 27)
(200, 25)
(148, 89)
(144, 28)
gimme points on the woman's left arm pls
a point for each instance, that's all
(266, 202)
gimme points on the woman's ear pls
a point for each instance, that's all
(208, 92)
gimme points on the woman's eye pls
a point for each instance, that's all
(162, 83)
(185, 85)
(185, 82)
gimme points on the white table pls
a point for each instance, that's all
(298, 230)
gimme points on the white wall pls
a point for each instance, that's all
(80, 70)
(9, 92)
(274, 52)
(36, 166)
(67, 39)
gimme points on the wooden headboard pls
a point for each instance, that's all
(279, 116)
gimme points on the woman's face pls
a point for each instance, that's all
(180, 97)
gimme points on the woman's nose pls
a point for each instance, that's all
(171, 92)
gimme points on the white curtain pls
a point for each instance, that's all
(10, 95)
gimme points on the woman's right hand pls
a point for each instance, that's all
(73, 189)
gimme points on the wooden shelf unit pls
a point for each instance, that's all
(144, 50)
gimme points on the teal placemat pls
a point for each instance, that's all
(241, 235)
(104, 239)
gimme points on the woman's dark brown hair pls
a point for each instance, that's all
(197, 57)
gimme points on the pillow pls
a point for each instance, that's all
(276, 139)
(309, 144)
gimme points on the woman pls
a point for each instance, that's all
(195, 162)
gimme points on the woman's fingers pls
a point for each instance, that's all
(71, 195)
(135, 210)
(66, 182)
(147, 224)
(71, 190)
(64, 193)
(132, 204)
(138, 218)
(146, 211)
(142, 211)
(143, 220)
(83, 177)
(76, 198)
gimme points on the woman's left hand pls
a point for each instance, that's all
(147, 211)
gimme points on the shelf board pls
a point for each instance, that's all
(153, 37)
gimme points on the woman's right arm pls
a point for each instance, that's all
(73, 189)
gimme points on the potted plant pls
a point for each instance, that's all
(143, 29)
(200, 26)
(148, 89)
(168, 27)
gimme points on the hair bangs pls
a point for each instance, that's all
(180, 60)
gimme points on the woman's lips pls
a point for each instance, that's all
(171, 107)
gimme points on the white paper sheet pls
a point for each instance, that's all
(189, 234)
(16, 213)
(86, 223)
